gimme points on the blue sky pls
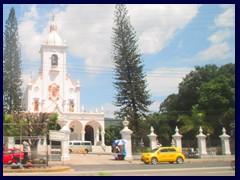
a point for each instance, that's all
(173, 39)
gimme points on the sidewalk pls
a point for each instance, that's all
(91, 158)
(80, 159)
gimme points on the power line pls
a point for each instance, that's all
(102, 70)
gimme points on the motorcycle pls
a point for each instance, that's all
(194, 154)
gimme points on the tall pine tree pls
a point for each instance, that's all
(12, 72)
(130, 82)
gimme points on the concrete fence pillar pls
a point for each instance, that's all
(201, 142)
(225, 143)
(177, 139)
(65, 144)
(152, 138)
(126, 134)
(10, 142)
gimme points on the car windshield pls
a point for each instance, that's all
(154, 150)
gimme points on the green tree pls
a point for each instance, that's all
(112, 133)
(208, 91)
(52, 121)
(228, 121)
(192, 123)
(130, 82)
(12, 72)
(188, 93)
(12, 123)
(170, 110)
(218, 96)
(161, 126)
(29, 124)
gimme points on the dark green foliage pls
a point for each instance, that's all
(12, 124)
(228, 121)
(161, 126)
(29, 124)
(189, 88)
(206, 98)
(191, 124)
(12, 72)
(52, 121)
(112, 133)
(130, 82)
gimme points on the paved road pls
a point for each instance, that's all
(80, 159)
(97, 165)
(142, 166)
(200, 168)
(208, 171)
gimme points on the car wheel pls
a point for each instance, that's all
(154, 160)
(86, 151)
(179, 160)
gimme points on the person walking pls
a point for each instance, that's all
(25, 150)
(117, 151)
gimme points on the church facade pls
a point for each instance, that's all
(55, 91)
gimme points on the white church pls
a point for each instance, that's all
(54, 91)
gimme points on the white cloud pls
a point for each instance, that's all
(109, 110)
(216, 51)
(26, 79)
(219, 46)
(30, 39)
(154, 107)
(87, 29)
(165, 81)
(33, 13)
(220, 36)
(227, 18)
(156, 24)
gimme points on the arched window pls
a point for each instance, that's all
(36, 105)
(71, 106)
(54, 60)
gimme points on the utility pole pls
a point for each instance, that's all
(209, 143)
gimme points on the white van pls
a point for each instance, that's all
(77, 146)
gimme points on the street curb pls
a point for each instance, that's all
(136, 160)
(49, 169)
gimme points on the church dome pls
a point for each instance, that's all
(53, 38)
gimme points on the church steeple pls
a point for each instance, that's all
(53, 38)
(53, 26)
(53, 52)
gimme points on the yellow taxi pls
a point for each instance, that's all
(163, 154)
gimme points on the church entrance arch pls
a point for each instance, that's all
(75, 130)
(89, 133)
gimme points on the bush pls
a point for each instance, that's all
(142, 150)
